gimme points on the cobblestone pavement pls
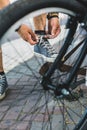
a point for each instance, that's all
(14, 109)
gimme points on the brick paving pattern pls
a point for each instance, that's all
(14, 109)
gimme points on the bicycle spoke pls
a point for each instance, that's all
(41, 106)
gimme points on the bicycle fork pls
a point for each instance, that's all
(78, 63)
(72, 25)
(82, 125)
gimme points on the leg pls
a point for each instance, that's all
(4, 3)
(3, 81)
(1, 62)
(40, 22)
(43, 48)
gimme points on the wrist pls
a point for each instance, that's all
(16, 30)
(21, 26)
(52, 15)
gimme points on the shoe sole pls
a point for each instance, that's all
(3, 95)
(47, 59)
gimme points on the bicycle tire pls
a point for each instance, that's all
(37, 108)
(26, 6)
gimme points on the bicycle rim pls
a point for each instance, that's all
(34, 106)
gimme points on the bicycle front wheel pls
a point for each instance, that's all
(34, 106)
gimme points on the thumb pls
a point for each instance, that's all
(53, 31)
(33, 35)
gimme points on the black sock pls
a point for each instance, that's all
(1, 73)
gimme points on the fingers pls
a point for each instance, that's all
(54, 33)
(27, 34)
(31, 39)
(53, 27)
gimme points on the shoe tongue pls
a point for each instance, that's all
(40, 32)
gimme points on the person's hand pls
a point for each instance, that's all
(27, 34)
(53, 27)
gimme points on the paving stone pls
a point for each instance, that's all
(4, 108)
(1, 115)
(13, 113)
(6, 124)
(20, 126)
(15, 108)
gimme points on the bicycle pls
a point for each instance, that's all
(58, 79)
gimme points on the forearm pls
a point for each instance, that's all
(4, 3)
(40, 22)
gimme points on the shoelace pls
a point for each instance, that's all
(43, 43)
(2, 82)
(2, 78)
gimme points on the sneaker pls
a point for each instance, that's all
(45, 50)
(3, 86)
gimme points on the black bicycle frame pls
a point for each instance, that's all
(77, 64)
(72, 24)
(82, 125)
